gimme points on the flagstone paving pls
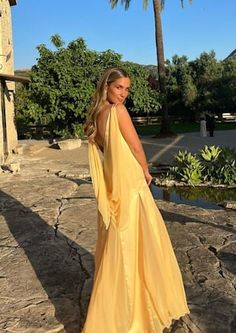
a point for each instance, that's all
(47, 244)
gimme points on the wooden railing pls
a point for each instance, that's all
(153, 120)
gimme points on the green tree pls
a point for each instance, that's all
(158, 5)
(63, 82)
(207, 73)
(181, 89)
(224, 92)
(57, 41)
(142, 99)
(201, 84)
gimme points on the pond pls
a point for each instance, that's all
(194, 196)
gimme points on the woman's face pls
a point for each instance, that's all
(118, 90)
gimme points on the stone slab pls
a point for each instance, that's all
(69, 144)
(48, 238)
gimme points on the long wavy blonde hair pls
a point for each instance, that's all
(100, 96)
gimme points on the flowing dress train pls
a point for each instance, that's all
(138, 286)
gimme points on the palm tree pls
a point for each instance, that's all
(158, 5)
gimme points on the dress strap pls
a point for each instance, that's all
(97, 175)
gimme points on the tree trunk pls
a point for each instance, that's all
(165, 122)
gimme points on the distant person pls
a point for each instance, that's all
(203, 129)
(210, 123)
(137, 285)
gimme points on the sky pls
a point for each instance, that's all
(202, 26)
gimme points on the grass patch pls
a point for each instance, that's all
(182, 128)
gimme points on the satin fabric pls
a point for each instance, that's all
(138, 286)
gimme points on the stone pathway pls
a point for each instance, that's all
(47, 243)
(162, 150)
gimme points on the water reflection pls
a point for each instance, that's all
(195, 196)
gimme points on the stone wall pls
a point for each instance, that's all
(7, 87)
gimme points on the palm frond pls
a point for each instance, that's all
(113, 3)
(162, 4)
(182, 2)
(126, 3)
(145, 4)
(123, 2)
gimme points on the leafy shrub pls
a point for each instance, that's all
(188, 168)
(227, 166)
(210, 154)
(212, 164)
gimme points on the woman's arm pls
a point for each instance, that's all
(131, 137)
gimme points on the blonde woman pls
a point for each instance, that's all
(138, 286)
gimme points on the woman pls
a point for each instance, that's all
(203, 129)
(138, 286)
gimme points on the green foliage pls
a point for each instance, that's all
(227, 165)
(220, 163)
(227, 173)
(210, 157)
(224, 87)
(57, 41)
(78, 130)
(227, 155)
(213, 164)
(63, 82)
(207, 70)
(143, 99)
(188, 168)
(180, 79)
(211, 153)
(201, 84)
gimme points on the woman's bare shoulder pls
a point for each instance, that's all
(122, 113)
(120, 107)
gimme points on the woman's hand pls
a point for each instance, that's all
(148, 177)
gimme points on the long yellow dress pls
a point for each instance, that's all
(137, 286)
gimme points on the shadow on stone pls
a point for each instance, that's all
(57, 263)
(60, 266)
(229, 260)
(184, 219)
(208, 268)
